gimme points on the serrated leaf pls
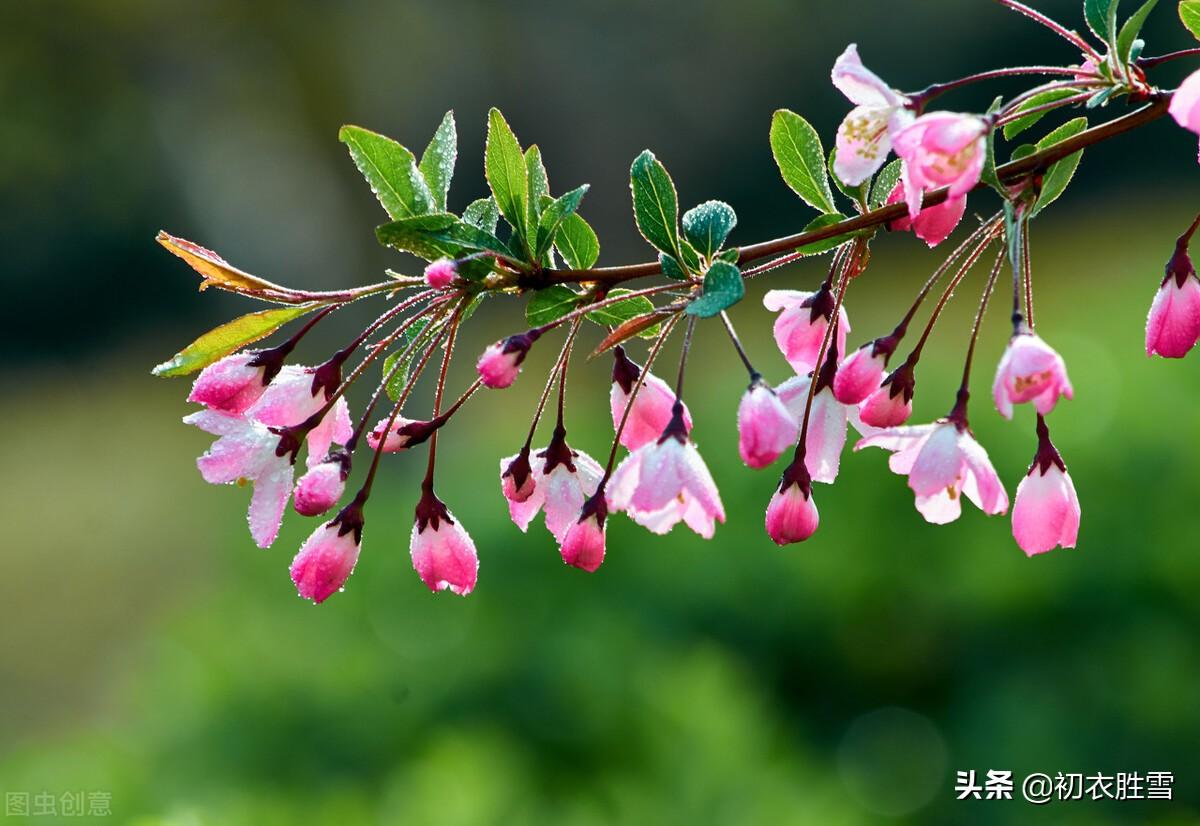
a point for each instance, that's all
(1189, 15)
(885, 182)
(396, 381)
(655, 204)
(1098, 14)
(621, 311)
(632, 327)
(801, 159)
(1022, 151)
(482, 214)
(507, 175)
(1131, 29)
(217, 272)
(1060, 173)
(553, 216)
(1019, 125)
(550, 304)
(820, 222)
(723, 287)
(437, 235)
(391, 170)
(230, 337)
(437, 161)
(708, 225)
(988, 174)
(539, 185)
(671, 267)
(577, 243)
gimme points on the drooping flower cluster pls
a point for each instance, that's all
(264, 409)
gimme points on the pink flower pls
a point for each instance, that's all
(890, 404)
(441, 273)
(1185, 103)
(941, 149)
(292, 398)
(561, 480)
(651, 412)
(327, 557)
(320, 488)
(934, 224)
(862, 372)
(246, 451)
(827, 422)
(801, 325)
(404, 433)
(500, 363)
(583, 544)
(516, 479)
(1030, 370)
(1046, 510)
(765, 426)
(666, 481)
(864, 138)
(942, 461)
(1173, 325)
(792, 515)
(442, 551)
(230, 385)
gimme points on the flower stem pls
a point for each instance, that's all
(1059, 29)
(737, 345)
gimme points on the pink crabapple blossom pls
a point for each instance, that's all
(441, 273)
(1046, 510)
(501, 362)
(941, 149)
(1030, 371)
(232, 384)
(801, 324)
(1185, 104)
(652, 406)
(934, 224)
(792, 514)
(1173, 324)
(327, 558)
(766, 428)
(864, 138)
(890, 404)
(322, 486)
(583, 544)
(443, 553)
(562, 480)
(861, 373)
(291, 398)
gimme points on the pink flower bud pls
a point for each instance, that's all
(443, 553)
(1173, 325)
(765, 426)
(441, 273)
(941, 149)
(516, 477)
(800, 327)
(1030, 370)
(890, 404)
(327, 557)
(230, 385)
(1046, 510)
(860, 374)
(1185, 103)
(934, 224)
(396, 439)
(320, 488)
(583, 544)
(500, 363)
(792, 514)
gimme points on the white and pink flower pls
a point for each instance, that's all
(559, 480)
(230, 385)
(934, 224)
(1030, 371)
(1173, 325)
(864, 138)
(651, 411)
(943, 462)
(827, 420)
(800, 327)
(862, 371)
(443, 553)
(327, 558)
(1185, 104)
(1046, 510)
(292, 398)
(766, 428)
(941, 149)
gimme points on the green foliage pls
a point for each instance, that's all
(439, 235)
(482, 214)
(403, 350)
(618, 313)
(1189, 15)
(437, 161)
(550, 304)
(1131, 29)
(391, 170)
(671, 267)
(1060, 173)
(801, 159)
(1019, 125)
(577, 243)
(1101, 17)
(228, 338)
(553, 217)
(820, 222)
(507, 175)
(884, 183)
(988, 174)
(723, 287)
(708, 225)
(655, 204)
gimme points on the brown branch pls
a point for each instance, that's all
(1008, 173)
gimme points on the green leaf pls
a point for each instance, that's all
(439, 234)
(885, 182)
(437, 162)
(1100, 16)
(708, 225)
(988, 174)
(577, 243)
(482, 214)
(723, 287)
(671, 267)
(539, 185)
(230, 337)
(1059, 174)
(1189, 15)
(553, 217)
(1016, 127)
(395, 382)
(621, 311)
(731, 255)
(391, 170)
(1022, 151)
(550, 304)
(1131, 29)
(820, 222)
(801, 159)
(507, 175)
(655, 204)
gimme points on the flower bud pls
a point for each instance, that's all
(327, 557)
(500, 363)
(1030, 371)
(765, 426)
(320, 488)
(443, 553)
(441, 273)
(890, 404)
(862, 371)
(1046, 511)
(792, 515)
(230, 385)
(583, 545)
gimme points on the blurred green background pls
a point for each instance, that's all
(149, 651)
